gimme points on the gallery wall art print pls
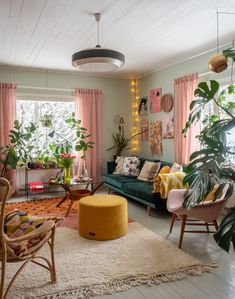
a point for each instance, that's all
(155, 100)
(168, 128)
(143, 106)
(144, 126)
(156, 138)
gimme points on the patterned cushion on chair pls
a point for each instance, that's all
(19, 223)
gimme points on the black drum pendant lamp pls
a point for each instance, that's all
(98, 59)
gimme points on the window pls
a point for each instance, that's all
(230, 137)
(35, 111)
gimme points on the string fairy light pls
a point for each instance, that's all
(135, 114)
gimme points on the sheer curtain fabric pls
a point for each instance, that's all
(184, 94)
(88, 109)
(7, 118)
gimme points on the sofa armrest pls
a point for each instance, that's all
(111, 167)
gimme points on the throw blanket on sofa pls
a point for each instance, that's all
(165, 182)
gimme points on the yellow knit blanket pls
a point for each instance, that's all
(165, 182)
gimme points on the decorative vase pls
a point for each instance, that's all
(84, 168)
(67, 174)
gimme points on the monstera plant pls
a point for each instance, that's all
(210, 166)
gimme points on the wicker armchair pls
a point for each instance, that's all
(37, 238)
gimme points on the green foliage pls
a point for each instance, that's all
(46, 120)
(230, 52)
(121, 142)
(18, 150)
(209, 166)
(81, 135)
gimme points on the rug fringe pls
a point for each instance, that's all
(126, 283)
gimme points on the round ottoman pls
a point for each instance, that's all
(102, 217)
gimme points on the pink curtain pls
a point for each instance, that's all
(184, 94)
(7, 118)
(88, 109)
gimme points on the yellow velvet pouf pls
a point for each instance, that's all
(102, 217)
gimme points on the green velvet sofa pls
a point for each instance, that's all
(135, 189)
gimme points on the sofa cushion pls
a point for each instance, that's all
(149, 171)
(131, 166)
(141, 190)
(117, 180)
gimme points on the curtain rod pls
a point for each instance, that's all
(46, 88)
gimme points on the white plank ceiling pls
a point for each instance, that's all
(151, 33)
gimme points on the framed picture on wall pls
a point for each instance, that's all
(144, 126)
(156, 138)
(155, 100)
(143, 106)
(168, 128)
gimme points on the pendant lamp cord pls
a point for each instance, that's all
(97, 17)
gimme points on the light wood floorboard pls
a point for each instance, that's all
(218, 284)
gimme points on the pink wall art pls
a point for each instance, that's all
(155, 100)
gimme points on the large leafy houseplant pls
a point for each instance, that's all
(210, 165)
(17, 151)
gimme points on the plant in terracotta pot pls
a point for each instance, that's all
(211, 165)
(17, 151)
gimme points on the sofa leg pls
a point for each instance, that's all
(149, 210)
(109, 190)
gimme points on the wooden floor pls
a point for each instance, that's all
(219, 283)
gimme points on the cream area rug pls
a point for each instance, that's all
(87, 268)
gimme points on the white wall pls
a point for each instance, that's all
(117, 98)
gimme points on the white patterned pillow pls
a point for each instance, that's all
(149, 171)
(119, 161)
(176, 168)
(131, 166)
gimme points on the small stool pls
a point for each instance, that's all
(102, 217)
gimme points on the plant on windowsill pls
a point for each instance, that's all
(17, 151)
(210, 165)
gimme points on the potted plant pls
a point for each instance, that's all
(17, 151)
(210, 165)
(46, 120)
(81, 141)
(121, 142)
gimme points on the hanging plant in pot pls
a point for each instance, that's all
(46, 120)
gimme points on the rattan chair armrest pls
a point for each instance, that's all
(42, 230)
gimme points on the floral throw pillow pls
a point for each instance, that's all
(149, 171)
(131, 166)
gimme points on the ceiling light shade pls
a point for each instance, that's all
(98, 59)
